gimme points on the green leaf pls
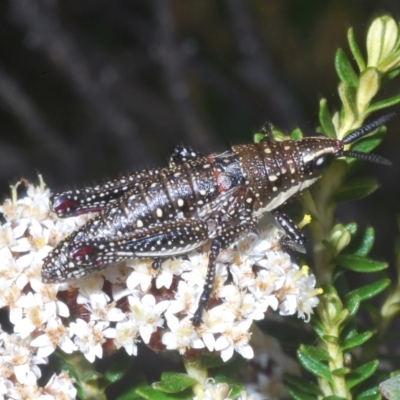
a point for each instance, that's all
(341, 371)
(303, 384)
(355, 190)
(392, 74)
(325, 119)
(370, 397)
(361, 373)
(369, 394)
(353, 305)
(296, 134)
(345, 70)
(297, 394)
(366, 243)
(355, 50)
(173, 382)
(391, 101)
(316, 353)
(333, 397)
(148, 393)
(368, 143)
(121, 364)
(354, 341)
(369, 291)
(314, 366)
(257, 137)
(360, 264)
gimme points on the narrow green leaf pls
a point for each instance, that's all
(303, 384)
(361, 373)
(366, 242)
(341, 371)
(355, 190)
(173, 382)
(369, 143)
(369, 394)
(355, 50)
(333, 397)
(392, 74)
(360, 264)
(325, 119)
(369, 291)
(391, 101)
(370, 397)
(316, 353)
(357, 340)
(297, 394)
(130, 394)
(314, 366)
(353, 305)
(345, 70)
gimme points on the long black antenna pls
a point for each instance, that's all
(374, 158)
(364, 130)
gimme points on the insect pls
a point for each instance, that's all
(166, 212)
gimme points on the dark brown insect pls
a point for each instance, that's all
(167, 212)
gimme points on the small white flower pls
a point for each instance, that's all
(89, 337)
(181, 336)
(146, 313)
(56, 334)
(237, 338)
(125, 334)
(61, 384)
(141, 276)
(100, 308)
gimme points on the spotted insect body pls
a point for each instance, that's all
(168, 212)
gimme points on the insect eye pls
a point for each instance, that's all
(322, 162)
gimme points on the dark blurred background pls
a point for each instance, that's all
(90, 89)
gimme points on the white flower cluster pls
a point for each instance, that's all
(131, 301)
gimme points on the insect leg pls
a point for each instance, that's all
(162, 240)
(96, 198)
(294, 238)
(235, 218)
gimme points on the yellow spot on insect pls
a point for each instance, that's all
(267, 150)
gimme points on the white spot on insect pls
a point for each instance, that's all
(272, 178)
(159, 212)
(206, 166)
(139, 223)
(249, 200)
(203, 192)
(180, 202)
(287, 147)
(71, 264)
(267, 150)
